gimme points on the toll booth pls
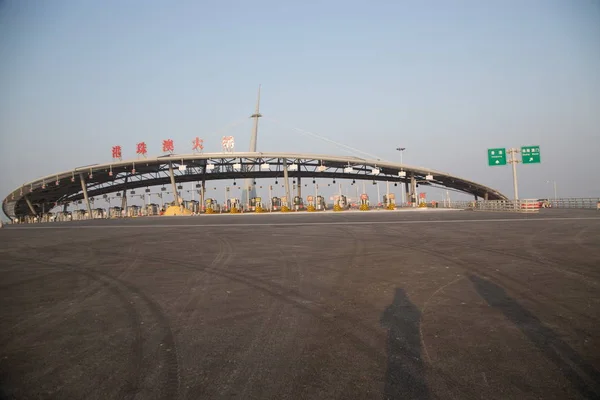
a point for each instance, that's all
(284, 202)
(233, 203)
(211, 206)
(152, 209)
(389, 201)
(311, 202)
(364, 202)
(423, 199)
(276, 204)
(255, 202)
(192, 205)
(98, 213)
(115, 212)
(298, 203)
(63, 216)
(320, 203)
(133, 211)
(341, 201)
(48, 217)
(79, 215)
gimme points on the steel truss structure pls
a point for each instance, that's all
(41, 195)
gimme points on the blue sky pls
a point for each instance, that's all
(445, 79)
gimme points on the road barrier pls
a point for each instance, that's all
(591, 203)
(526, 205)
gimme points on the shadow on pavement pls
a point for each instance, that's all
(582, 375)
(405, 375)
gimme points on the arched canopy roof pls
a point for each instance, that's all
(65, 187)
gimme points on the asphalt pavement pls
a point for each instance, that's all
(353, 305)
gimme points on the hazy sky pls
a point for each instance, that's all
(445, 79)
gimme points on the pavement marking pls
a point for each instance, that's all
(452, 221)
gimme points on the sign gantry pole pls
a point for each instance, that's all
(513, 152)
(529, 155)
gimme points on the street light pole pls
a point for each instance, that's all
(401, 150)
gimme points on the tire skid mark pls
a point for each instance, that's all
(424, 311)
(196, 279)
(26, 281)
(270, 288)
(326, 315)
(131, 264)
(91, 289)
(169, 351)
(579, 240)
(81, 297)
(290, 268)
(533, 251)
(345, 325)
(283, 293)
(540, 260)
(535, 257)
(245, 367)
(137, 344)
(416, 247)
(223, 258)
(136, 356)
(122, 289)
(496, 278)
(504, 279)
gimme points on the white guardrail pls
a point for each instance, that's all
(593, 203)
(525, 205)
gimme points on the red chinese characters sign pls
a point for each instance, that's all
(141, 149)
(116, 152)
(168, 146)
(198, 145)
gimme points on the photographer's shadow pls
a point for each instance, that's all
(405, 375)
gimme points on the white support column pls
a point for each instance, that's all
(124, 197)
(172, 175)
(202, 192)
(85, 195)
(286, 179)
(388, 192)
(270, 199)
(413, 189)
(30, 206)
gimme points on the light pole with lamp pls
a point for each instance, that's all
(401, 150)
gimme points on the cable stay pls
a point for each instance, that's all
(347, 148)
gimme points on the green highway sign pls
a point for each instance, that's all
(530, 154)
(497, 157)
